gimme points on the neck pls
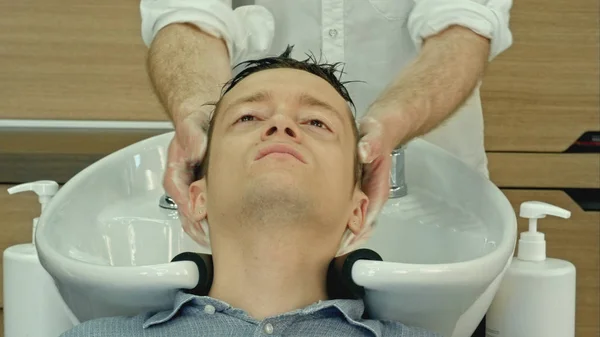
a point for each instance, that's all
(269, 272)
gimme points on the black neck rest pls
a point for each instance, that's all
(339, 275)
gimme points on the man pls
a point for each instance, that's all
(421, 62)
(280, 186)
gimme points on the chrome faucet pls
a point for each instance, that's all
(166, 202)
(398, 187)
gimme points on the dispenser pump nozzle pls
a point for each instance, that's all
(45, 189)
(532, 245)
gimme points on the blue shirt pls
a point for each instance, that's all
(201, 316)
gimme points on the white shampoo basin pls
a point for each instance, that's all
(107, 244)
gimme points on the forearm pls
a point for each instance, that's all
(187, 69)
(429, 90)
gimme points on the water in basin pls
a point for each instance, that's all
(135, 232)
(450, 233)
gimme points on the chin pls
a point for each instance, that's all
(283, 181)
(277, 194)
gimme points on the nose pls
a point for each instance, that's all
(284, 126)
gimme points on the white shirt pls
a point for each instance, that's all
(375, 39)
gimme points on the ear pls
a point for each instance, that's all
(357, 218)
(198, 200)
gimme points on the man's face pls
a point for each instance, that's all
(283, 142)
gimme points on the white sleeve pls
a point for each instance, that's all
(489, 18)
(247, 30)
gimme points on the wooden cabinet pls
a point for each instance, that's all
(64, 59)
(539, 97)
(68, 59)
(542, 94)
(545, 170)
(55, 154)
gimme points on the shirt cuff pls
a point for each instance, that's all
(486, 18)
(247, 31)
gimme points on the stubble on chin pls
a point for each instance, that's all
(267, 205)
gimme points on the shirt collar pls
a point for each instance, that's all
(181, 299)
(352, 310)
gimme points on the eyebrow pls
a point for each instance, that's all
(304, 99)
(308, 100)
(260, 96)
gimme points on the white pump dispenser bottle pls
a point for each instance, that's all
(32, 304)
(537, 295)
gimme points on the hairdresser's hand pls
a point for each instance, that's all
(185, 151)
(374, 149)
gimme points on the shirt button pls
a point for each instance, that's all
(333, 32)
(268, 328)
(209, 309)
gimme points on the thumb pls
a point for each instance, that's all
(371, 141)
(198, 148)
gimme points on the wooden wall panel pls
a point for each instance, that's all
(68, 59)
(59, 154)
(545, 170)
(70, 141)
(543, 93)
(72, 60)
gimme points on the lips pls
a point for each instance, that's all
(279, 148)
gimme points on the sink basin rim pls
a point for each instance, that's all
(72, 266)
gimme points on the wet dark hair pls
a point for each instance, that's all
(312, 65)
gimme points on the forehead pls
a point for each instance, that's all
(286, 84)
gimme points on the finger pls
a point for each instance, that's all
(356, 241)
(192, 137)
(176, 182)
(376, 187)
(176, 185)
(343, 249)
(193, 226)
(370, 144)
(177, 176)
(379, 196)
(346, 239)
(365, 153)
(196, 150)
(195, 231)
